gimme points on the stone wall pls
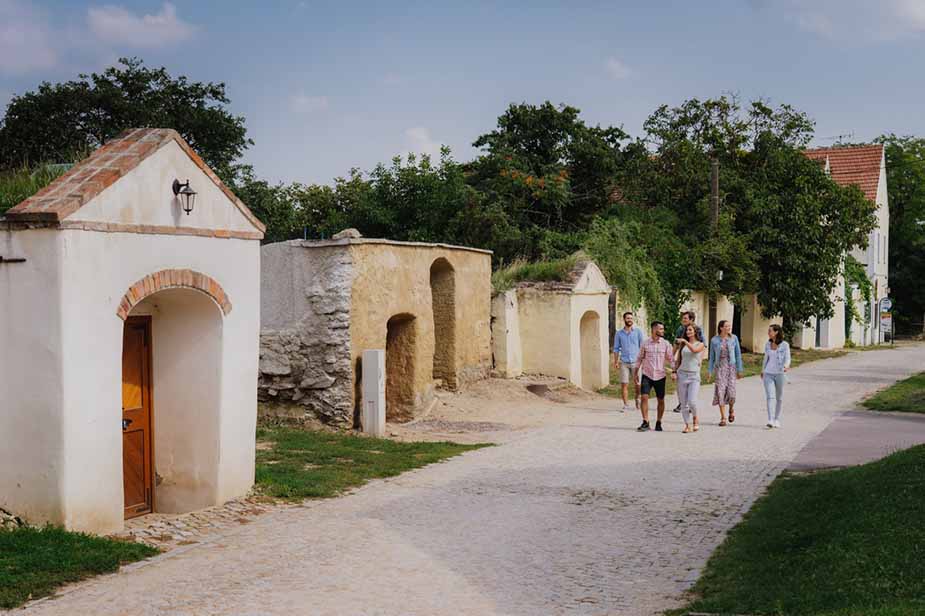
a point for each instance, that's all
(305, 342)
(324, 302)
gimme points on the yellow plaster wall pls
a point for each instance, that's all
(392, 278)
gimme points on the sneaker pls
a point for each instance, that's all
(676, 409)
(777, 424)
(643, 427)
(770, 425)
(658, 426)
(626, 407)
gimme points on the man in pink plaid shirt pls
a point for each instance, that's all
(654, 355)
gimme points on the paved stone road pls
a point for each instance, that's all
(585, 518)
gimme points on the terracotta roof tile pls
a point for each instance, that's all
(858, 165)
(100, 170)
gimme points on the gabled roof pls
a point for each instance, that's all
(858, 165)
(101, 169)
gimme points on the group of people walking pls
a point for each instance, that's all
(645, 361)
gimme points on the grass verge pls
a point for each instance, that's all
(752, 363)
(36, 561)
(297, 464)
(836, 543)
(907, 396)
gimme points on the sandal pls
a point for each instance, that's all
(722, 422)
(686, 430)
(696, 427)
(732, 416)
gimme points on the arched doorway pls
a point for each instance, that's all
(590, 340)
(171, 401)
(443, 294)
(400, 357)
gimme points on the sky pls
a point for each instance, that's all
(328, 86)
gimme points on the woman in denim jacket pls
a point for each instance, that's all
(726, 367)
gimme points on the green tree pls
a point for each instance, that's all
(905, 171)
(58, 121)
(784, 226)
(547, 174)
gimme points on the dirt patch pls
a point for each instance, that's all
(496, 410)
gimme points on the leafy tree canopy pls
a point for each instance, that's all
(58, 122)
(905, 171)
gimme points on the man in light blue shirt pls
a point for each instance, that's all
(625, 357)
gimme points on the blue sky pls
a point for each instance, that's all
(326, 86)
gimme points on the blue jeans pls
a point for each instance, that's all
(774, 392)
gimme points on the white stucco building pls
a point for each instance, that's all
(554, 328)
(129, 329)
(864, 167)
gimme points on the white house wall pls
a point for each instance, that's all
(145, 197)
(31, 387)
(581, 304)
(97, 269)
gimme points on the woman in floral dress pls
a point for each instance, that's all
(726, 367)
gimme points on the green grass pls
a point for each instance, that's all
(34, 562)
(297, 464)
(907, 395)
(836, 543)
(20, 184)
(539, 271)
(752, 363)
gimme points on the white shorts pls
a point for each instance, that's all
(628, 372)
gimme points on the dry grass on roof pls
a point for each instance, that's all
(557, 270)
(17, 185)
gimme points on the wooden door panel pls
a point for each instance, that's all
(137, 442)
(133, 469)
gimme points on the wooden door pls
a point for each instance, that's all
(137, 444)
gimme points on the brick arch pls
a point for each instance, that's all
(172, 279)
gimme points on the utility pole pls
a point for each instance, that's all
(714, 194)
(714, 226)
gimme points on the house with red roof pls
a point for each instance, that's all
(864, 167)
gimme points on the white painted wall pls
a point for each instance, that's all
(507, 349)
(99, 268)
(145, 197)
(186, 331)
(31, 388)
(579, 374)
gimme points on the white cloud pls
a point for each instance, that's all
(854, 19)
(300, 103)
(25, 39)
(119, 26)
(617, 69)
(420, 141)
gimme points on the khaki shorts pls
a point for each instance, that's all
(628, 372)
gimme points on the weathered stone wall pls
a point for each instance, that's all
(305, 341)
(324, 303)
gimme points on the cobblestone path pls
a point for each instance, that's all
(588, 517)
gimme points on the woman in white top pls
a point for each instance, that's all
(690, 356)
(776, 364)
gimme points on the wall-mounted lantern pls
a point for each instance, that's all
(186, 195)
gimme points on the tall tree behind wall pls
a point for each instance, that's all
(905, 170)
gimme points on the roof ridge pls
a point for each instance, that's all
(102, 168)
